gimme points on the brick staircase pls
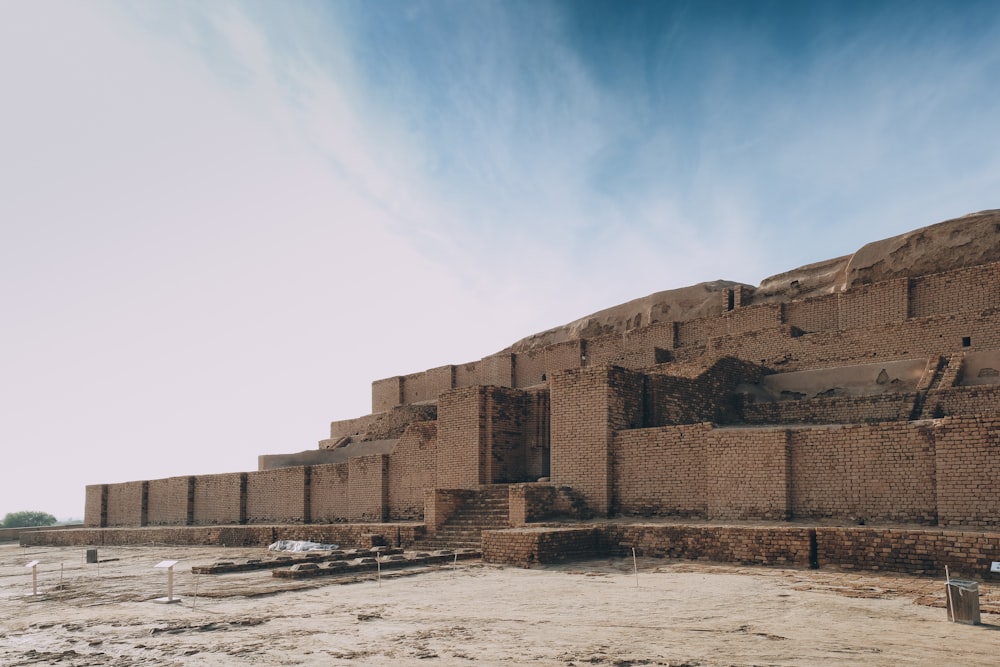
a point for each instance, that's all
(488, 509)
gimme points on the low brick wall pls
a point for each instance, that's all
(355, 535)
(529, 546)
(916, 551)
(776, 545)
(913, 551)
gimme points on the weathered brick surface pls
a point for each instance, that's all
(383, 425)
(530, 546)
(125, 503)
(532, 502)
(661, 471)
(169, 501)
(461, 426)
(386, 394)
(412, 469)
(973, 289)
(218, 499)
(968, 471)
(278, 496)
(367, 489)
(816, 314)
(839, 410)
(879, 303)
(749, 474)
(773, 545)
(328, 495)
(881, 472)
(94, 508)
(588, 405)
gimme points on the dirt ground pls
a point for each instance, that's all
(589, 613)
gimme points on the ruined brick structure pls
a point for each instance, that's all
(860, 391)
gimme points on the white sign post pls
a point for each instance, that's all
(169, 565)
(34, 576)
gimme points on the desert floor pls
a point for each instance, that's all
(587, 613)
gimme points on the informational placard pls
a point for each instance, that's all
(995, 567)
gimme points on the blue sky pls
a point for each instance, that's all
(219, 222)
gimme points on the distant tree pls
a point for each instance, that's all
(27, 519)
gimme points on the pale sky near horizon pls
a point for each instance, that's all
(219, 222)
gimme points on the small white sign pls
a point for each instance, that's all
(33, 563)
(166, 563)
(995, 567)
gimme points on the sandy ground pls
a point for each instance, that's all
(589, 613)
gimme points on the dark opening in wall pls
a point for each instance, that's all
(730, 299)
(966, 341)
(543, 377)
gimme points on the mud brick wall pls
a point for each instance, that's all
(328, 499)
(727, 544)
(817, 314)
(497, 370)
(218, 499)
(983, 400)
(749, 474)
(882, 472)
(386, 394)
(841, 410)
(427, 385)
(529, 367)
(700, 330)
(467, 375)
(278, 496)
(968, 472)
(412, 468)
(126, 504)
(972, 289)
(530, 546)
(563, 356)
(536, 432)
(588, 405)
(925, 552)
(661, 471)
(95, 507)
(879, 303)
(503, 457)
(533, 502)
(604, 350)
(709, 397)
(170, 501)
(366, 487)
(440, 504)
(386, 425)
(754, 318)
(461, 433)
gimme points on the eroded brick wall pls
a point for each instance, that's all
(278, 496)
(328, 495)
(366, 487)
(588, 405)
(839, 410)
(170, 501)
(412, 469)
(125, 504)
(968, 471)
(880, 472)
(218, 499)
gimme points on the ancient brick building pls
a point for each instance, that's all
(864, 390)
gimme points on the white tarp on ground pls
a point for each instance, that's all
(299, 545)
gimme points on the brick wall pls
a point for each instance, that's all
(385, 425)
(95, 508)
(879, 303)
(839, 410)
(530, 546)
(587, 406)
(881, 472)
(749, 475)
(562, 356)
(467, 375)
(328, 497)
(387, 393)
(440, 504)
(968, 471)
(125, 504)
(754, 318)
(963, 402)
(774, 545)
(661, 471)
(366, 487)
(497, 369)
(820, 313)
(278, 496)
(698, 331)
(412, 469)
(170, 501)
(426, 386)
(536, 432)
(503, 459)
(672, 399)
(973, 289)
(533, 502)
(529, 367)
(218, 499)
(461, 424)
